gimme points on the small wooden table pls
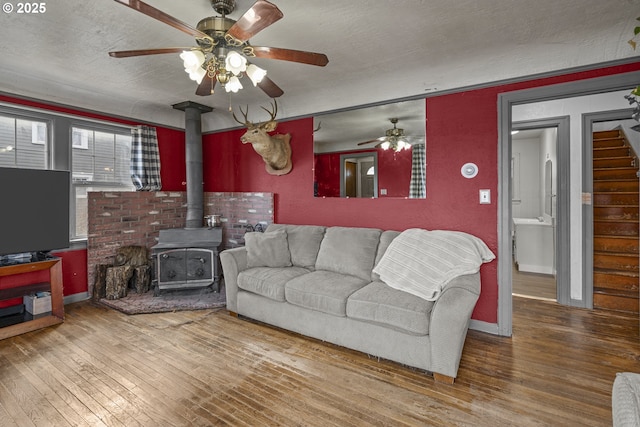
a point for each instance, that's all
(54, 286)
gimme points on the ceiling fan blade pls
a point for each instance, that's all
(311, 58)
(142, 52)
(163, 17)
(260, 16)
(270, 88)
(205, 88)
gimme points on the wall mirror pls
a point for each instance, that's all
(371, 152)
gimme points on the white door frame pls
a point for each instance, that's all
(505, 103)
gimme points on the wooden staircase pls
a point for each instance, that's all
(615, 223)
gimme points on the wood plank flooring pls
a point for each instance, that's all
(206, 368)
(533, 285)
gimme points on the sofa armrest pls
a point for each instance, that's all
(233, 261)
(450, 318)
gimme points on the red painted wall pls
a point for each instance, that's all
(74, 271)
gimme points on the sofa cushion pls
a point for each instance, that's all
(324, 291)
(304, 242)
(349, 250)
(385, 240)
(383, 305)
(267, 249)
(267, 281)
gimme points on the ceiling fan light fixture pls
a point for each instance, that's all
(233, 85)
(385, 145)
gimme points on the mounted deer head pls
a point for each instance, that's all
(275, 150)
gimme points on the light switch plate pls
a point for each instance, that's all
(485, 197)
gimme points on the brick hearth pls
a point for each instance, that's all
(136, 217)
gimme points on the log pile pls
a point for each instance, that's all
(131, 270)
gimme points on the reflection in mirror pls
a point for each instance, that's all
(358, 176)
(390, 137)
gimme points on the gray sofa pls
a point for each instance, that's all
(319, 282)
(625, 400)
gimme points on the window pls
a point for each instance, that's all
(96, 153)
(100, 159)
(24, 142)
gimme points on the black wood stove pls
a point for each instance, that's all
(187, 259)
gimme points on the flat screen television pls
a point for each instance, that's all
(34, 210)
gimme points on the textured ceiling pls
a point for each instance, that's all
(378, 50)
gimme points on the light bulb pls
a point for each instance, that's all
(385, 145)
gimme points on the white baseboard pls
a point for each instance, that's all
(531, 268)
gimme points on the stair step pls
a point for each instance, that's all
(608, 142)
(604, 134)
(615, 302)
(625, 185)
(615, 212)
(616, 228)
(618, 244)
(613, 198)
(611, 152)
(615, 173)
(613, 162)
(616, 261)
(616, 281)
(616, 258)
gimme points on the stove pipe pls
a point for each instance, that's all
(193, 154)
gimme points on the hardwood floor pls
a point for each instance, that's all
(533, 285)
(203, 368)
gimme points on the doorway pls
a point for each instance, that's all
(359, 175)
(571, 234)
(534, 210)
(611, 216)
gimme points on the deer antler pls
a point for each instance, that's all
(273, 113)
(246, 122)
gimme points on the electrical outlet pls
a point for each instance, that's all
(485, 197)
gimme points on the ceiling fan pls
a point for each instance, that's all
(223, 46)
(394, 139)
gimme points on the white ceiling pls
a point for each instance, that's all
(378, 50)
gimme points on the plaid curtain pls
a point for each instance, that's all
(417, 186)
(145, 160)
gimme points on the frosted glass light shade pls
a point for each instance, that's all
(233, 85)
(236, 63)
(197, 74)
(255, 73)
(192, 59)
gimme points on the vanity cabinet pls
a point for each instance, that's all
(533, 245)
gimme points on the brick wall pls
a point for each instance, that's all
(136, 217)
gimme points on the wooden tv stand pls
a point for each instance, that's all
(55, 287)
